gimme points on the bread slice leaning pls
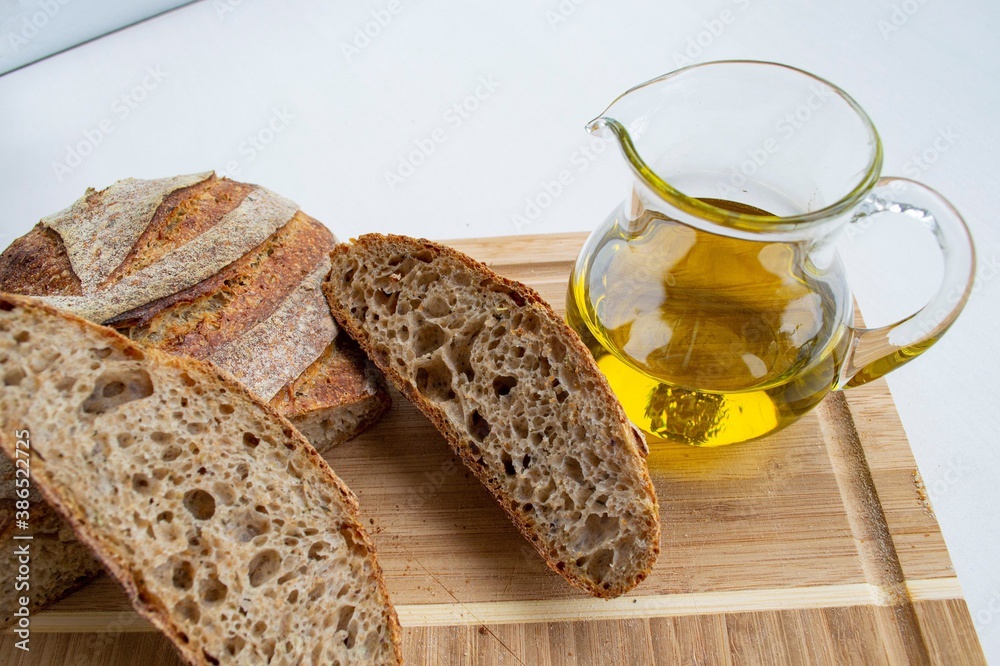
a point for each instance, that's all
(225, 527)
(515, 393)
(59, 563)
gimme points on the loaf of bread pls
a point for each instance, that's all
(516, 394)
(214, 269)
(59, 563)
(226, 528)
(211, 268)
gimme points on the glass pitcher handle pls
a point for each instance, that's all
(873, 352)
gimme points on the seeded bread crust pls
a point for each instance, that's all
(372, 308)
(103, 412)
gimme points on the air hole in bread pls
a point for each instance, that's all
(209, 657)
(597, 529)
(187, 609)
(165, 517)
(344, 617)
(102, 353)
(293, 596)
(435, 306)
(225, 493)
(247, 526)
(183, 575)
(117, 387)
(22, 337)
(479, 427)
(13, 377)
(172, 453)
(427, 339)
(251, 440)
(543, 494)
(433, 380)
(599, 565)
(317, 591)
(263, 567)
(508, 464)
(226, 409)
(125, 439)
(354, 544)
(316, 550)
(234, 645)
(140, 484)
(66, 384)
(213, 590)
(386, 300)
(199, 503)
(503, 384)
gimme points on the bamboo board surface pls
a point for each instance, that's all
(815, 545)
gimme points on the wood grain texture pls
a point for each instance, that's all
(815, 545)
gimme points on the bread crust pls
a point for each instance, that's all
(117, 565)
(584, 364)
(191, 320)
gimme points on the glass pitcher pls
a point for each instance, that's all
(713, 298)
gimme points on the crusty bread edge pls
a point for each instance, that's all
(632, 438)
(115, 566)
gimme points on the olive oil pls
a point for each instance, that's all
(708, 339)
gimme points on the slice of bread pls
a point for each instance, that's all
(59, 563)
(226, 528)
(516, 394)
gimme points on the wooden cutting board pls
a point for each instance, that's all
(816, 545)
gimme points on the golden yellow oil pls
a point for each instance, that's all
(707, 339)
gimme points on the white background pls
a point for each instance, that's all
(228, 70)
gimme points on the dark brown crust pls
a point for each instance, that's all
(185, 214)
(584, 364)
(37, 264)
(218, 310)
(341, 375)
(116, 566)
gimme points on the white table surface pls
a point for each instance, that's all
(200, 81)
